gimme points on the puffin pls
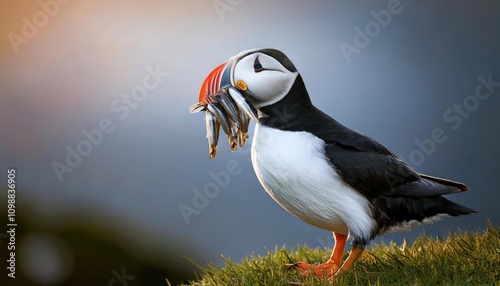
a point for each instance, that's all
(322, 172)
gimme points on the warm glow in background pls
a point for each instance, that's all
(127, 191)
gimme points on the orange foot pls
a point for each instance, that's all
(322, 270)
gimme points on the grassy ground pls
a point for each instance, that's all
(463, 258)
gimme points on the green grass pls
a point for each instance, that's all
(463, 258)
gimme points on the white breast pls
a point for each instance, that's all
(293, 169)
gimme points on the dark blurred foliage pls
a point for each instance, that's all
(86, 253)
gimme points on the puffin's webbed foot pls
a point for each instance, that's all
(322, 270)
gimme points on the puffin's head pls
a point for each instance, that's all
(267, 73)
(263, 80)
(264, 76)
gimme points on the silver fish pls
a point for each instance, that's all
(217, 110)
(229, 106)
(244, 121)
(233, 138)
(242, 138)
(243, 103)
(212, 133)
(197, 107)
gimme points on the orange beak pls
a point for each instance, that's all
(217, 79)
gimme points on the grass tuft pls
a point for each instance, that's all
(463, 258)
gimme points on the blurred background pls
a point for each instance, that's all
(114, 183)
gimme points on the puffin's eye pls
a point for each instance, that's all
(257, 67)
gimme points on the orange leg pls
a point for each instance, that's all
(354, 255)
(338, 249)
(331, 266)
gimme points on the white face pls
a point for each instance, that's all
(267, 80)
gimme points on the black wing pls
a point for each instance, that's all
(364, 164)
(378, 174)
(372, 169)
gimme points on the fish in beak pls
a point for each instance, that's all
(226, 106)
